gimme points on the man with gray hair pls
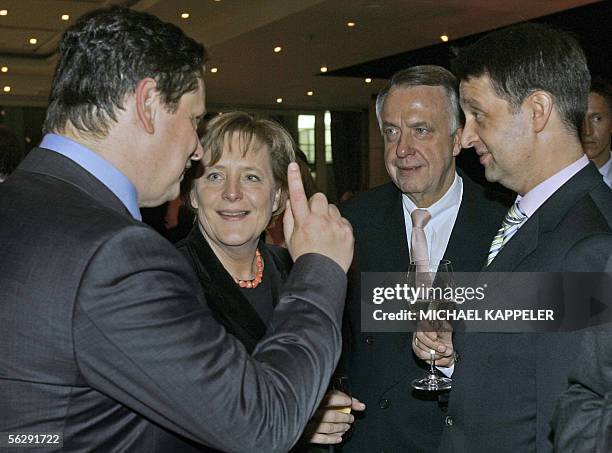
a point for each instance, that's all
(420, 120)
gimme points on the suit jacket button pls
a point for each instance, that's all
(384, 403)
(369, 340)
(448, 420)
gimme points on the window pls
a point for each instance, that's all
(328, 147)
(306, 138)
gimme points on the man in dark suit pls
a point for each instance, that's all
(524, 94)
(420, 120)
(106, 338)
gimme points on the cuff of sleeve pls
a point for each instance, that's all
(324, 281)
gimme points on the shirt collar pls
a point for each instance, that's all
(605, 168)
(100, 168)
(450, 199)
(536, 197)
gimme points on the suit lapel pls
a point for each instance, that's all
(388, 246)
(545, 219)
(519, 247)
(229, 305)
(472, 234)
(55, 165)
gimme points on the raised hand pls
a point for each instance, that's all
(315, 226)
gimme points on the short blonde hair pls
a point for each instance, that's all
(254, 134)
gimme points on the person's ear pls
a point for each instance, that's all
(146, 96)
(540, 104)
(193, 199)
(457, 141)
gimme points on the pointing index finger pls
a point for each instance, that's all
(299, 202)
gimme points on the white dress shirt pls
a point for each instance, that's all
(439, 228)
(443, 215)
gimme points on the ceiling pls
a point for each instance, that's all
(240, 36)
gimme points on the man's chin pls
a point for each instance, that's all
(168, 196)
(592, 152)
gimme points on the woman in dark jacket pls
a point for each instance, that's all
(243, 185)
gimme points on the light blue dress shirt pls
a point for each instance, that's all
(101, 169)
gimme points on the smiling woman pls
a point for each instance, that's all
(242, 185)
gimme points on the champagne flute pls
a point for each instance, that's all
(432, 280)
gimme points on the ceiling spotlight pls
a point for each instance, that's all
(350, 24)
(4, 69)
(444, 38)
(368, 80)
(7, 88)
(214, 70)
(277, 49)
(279, 100)
(184, 15)
(323, 68)
(33, 41)
(309, 93)
(3, 12)
(65, 17)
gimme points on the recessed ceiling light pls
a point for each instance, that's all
(323, 68)
(444, 38)
(33, 40)
(277, 49)
(368, 80)
(3, 12)
(7, 88)
(350, 24)
(214, 70)
(4, 69)
(279, 100)
(184, 15)
(65, 17)
(309, 93)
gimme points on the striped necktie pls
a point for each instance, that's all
(510, 226)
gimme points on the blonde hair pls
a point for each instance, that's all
(254, 134)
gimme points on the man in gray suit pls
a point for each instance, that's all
(105, 336)
(524, 94)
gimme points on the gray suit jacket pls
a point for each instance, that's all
(106, 337)
(506, 385)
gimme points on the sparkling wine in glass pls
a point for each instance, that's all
(432, 281)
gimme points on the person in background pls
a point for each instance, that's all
(11, 152)
(596, 134)
(106, 337)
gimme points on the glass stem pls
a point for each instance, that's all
(432, 365)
